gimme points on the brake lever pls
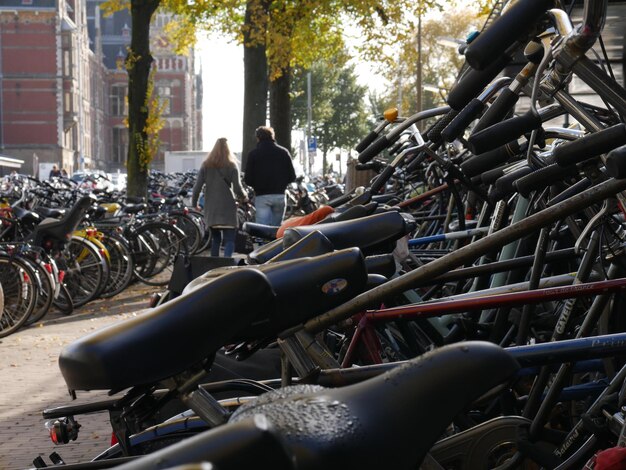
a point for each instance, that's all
(604, 210)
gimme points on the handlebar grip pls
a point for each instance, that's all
(473, 82)
(504, 184)
(503, 132)
(491, 176)
(616, 163)
(590, 146)
(514, 24)
(382, 178)
(462, 120)
(498, 110)
(434, 135)
(543, 177)
(374, 149)
(367, 140)
(485, 161)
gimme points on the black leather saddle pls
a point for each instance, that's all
(267, 232)
(50, 212)
(134, 208)
(389, 421)
(370, 234)
(61, 229)
(304, 287)
(169, 339)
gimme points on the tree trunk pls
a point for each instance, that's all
(280, 108)
(255, 73)
(138, 64)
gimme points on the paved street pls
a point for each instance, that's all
(30, 381)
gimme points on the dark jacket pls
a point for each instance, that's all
(269, 169)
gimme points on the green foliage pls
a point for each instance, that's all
(339, 117)
(440, 63)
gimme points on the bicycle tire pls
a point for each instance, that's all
(191, 230)
(167, 242)
(19, 293)
(121, 265)
(63, 302)
(85, 270)
(45, 293)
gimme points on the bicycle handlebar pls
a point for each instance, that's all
(486, 161)
(513, 25)
(473, 81)
(590, 146)
(385, 141)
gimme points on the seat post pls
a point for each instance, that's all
(205, 406)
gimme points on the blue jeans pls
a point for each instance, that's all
(270, 209)
(216, 241)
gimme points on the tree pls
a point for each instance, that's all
(440, 63)
(138, 65)
(339, 113)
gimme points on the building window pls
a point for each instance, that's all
(118, 100)
(165, 95)
(27, 2)
(119, 145)
(68, 102)
(67, 63)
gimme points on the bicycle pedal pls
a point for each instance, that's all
(56, 459)
(39, 463)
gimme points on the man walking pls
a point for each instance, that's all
(269, 170)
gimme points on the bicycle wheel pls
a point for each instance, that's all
(85, 270)
(205, 241)
(120, 265)
(158, 246)
(20, 294)
(191, 230)
(45, 292)
(63, 302)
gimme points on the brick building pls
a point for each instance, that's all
(63, 95)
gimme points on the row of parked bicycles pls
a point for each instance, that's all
(63, 243)
(471, 318)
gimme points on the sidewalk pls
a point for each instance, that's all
(30, 381)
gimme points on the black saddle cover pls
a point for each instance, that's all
(304, 287)
(169, 339)
(390, 421)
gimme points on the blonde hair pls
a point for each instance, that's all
(220, 156)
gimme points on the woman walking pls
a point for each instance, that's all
(219, 175)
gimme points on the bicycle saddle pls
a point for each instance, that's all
(134, 208)
(268, 232)
(314, 244)
(51, 212)
(61, 229)
(389, 421)
(303, 287)
(367, 233)
(169, 339)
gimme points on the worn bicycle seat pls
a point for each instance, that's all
(169, 339)
(389, 421)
